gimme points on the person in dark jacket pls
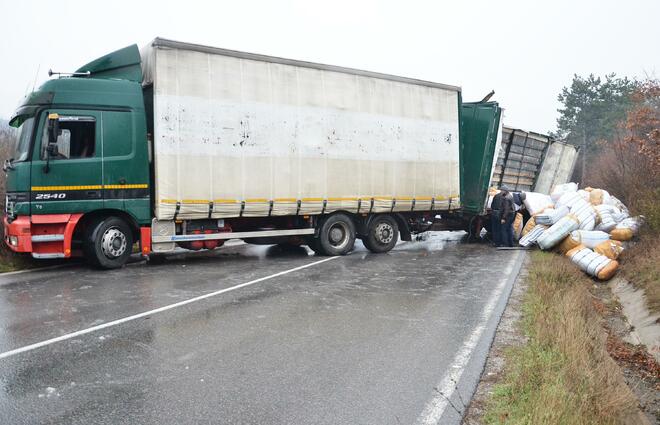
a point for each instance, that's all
(496, 217)
(507, 215)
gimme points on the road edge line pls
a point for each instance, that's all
(435, 408)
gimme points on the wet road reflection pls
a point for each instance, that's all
(361, 335)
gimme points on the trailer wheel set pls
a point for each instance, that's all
(337, 234)
(107, 241)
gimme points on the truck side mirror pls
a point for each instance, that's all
(53, 134)
(53, 128)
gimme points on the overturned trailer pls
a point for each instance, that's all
(532, 162)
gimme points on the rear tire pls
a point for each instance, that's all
(108, 243)
(382, 234)
(336, 235)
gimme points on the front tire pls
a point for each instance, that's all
(108, 243)
(382, 234)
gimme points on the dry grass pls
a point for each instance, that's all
(564, 374)
(641, 266)
(9, 260)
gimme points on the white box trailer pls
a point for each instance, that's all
(245, 135)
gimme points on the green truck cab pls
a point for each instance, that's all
(82, 179)
(95, 167)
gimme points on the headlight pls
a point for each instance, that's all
(13, 240)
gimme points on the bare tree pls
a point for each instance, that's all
(7, 140)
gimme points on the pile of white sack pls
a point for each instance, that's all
(587, 225)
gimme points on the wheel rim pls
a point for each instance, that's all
(338, 235)
(113, 243)
(384, 233)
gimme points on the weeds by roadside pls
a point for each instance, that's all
(564, 373)
(642, 268)
(10, 261)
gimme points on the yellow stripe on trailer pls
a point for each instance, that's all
(195, 201)
(319, 199)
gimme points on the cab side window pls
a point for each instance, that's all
(77, 138)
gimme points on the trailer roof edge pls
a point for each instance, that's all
(163, 42)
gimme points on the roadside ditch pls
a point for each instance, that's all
(565, 352)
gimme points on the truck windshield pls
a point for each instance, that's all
(22, 146)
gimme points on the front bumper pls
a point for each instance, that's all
(18, 236)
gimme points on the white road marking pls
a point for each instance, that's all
(443, 392)
(39, 269)
(154, 311)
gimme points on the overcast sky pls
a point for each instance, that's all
(525, 50)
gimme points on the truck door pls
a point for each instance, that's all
(71, 180)
(125, 165)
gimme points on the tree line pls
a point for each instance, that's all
(616, 123)
(7, 140)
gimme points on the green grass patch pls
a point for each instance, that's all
(563, 374)
(10, 262)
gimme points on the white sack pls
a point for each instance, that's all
(599, 197)
(536, 202)
(589, 238)
(614, 201)
(584, 194)
(606, 217)
(561, 189)
(532, 236)
(558, 231)
(585, 213)
(592, 263)
(551, 215)
(569, 199)
(632, 223)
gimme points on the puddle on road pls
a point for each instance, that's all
(431, 241)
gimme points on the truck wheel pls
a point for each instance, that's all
(108, 243)
(383, 234)
(337, 235)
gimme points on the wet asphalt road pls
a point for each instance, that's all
(361, 339)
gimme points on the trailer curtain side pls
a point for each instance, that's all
(237, 134)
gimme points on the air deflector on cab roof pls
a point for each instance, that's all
(123, 64)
